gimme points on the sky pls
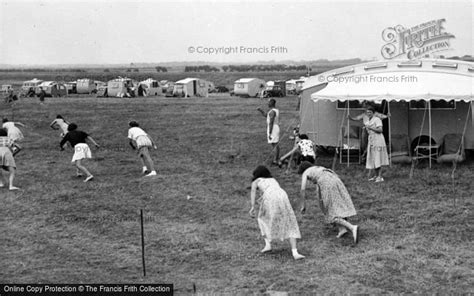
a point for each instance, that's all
(122, 32)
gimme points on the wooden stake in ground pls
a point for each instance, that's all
(143, 243)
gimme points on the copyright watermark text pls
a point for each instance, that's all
(230, 50)
(371, 79)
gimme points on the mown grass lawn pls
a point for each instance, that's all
(416, 234)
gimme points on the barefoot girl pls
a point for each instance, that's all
(334, 200)
(276, 218)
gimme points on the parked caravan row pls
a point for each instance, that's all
(255, 87)
(188, 87)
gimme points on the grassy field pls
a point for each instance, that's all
(416, 234)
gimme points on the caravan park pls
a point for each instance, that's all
(237, 148)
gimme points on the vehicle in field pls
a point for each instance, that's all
(28, 89)
(275, 89)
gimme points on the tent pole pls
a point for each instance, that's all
(472, 114)
(429, 120)
(389, 133)
(348, 132)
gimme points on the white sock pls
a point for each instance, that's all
(294, 252)
(144, 168)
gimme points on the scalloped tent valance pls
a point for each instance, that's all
(398, 86)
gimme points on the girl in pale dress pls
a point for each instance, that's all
(7, 162)
(334, 199)
(14, 133)
(276, 218)
(377, 155)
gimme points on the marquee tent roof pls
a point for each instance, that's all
(431, 80)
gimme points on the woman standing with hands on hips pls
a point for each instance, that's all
(377, 155)
(334, 199)
(276, 218)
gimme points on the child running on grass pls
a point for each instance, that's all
(77, 139)
(7, 162)
(60, 123)
(14, 134)
(276, 218)
(140, 140)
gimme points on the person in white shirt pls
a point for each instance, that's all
(60, 123)
(141, 141)
(273, 128)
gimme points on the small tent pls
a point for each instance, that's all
(86, 86)
(52, 89)
(191, 87)
(249, 87)
(71, 87)
(427, 98)
(151, 87)
(121, 87)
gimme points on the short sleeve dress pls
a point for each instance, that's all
(335, 199)
(377, 155)
(6, 156)
(276, 218)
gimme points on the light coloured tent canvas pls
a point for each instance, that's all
(430, 97)
(121, 87)
(53, 89)
(85, 86)
(152, 87)
(249, 87)
(191, 87)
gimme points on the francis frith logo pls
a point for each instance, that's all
(416, 42)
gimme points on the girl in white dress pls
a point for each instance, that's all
(14, 134)
(276, 218)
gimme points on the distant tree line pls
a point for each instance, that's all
(204, 68)
(262, 68)
(44, 70)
